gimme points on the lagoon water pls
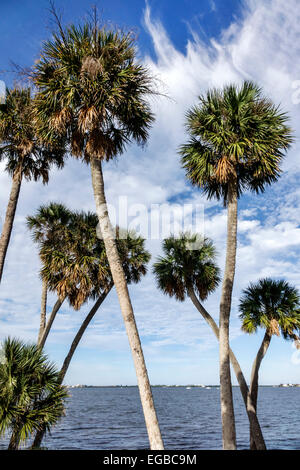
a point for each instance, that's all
(111, 418)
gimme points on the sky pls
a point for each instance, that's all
(189, 46)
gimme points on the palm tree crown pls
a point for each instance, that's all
(273, 305)
(30, 395)
(91, 89)
(235, 134)
(48, 222)
(188, 263)
(19, 144)
(74, 261)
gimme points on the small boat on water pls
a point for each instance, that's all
(188, 388)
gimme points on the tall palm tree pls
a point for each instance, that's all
(134, 258)
(25, 154)
(188, 268)
(31, 396)
(49, 223)
(238, 139)
(92, 90)
(274, 306)
(79, 268)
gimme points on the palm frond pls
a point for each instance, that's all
(91, 90)
(188, 262)
(235, 133)
(273, 305)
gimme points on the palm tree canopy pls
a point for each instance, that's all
(91, 89)
(20, 146)
(30, 394)
(188, 262)
(48, 220)
(235, 133)
(76, 265)
(273, 305)
(74, 261)
(133, 254)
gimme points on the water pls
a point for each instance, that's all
(111, 418)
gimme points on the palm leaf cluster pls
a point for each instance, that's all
(235, 134)
(75, 265)
(188, 263)
(30, 395)
(273, 305)
(48, 222)
(133, 254)
(20, 146)
(74, 262)
(91, 90)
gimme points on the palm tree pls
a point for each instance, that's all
(274, 306)
(77, 268)
(73, 258)
(92, 90)
(25, 154)
(49, 223)
(238, 139)
(188, 268)
(80, 269)
(31, 396)
(73, 265)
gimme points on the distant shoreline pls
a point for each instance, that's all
(176, 386)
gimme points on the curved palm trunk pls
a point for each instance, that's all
(227, 410)
(55, 309)
(40, 434)
(80, 333)
(9, 218)
(253, 392)
(116, 267)
(255, 428)
(43, 310)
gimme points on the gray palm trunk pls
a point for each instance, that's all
(43, 310)
(227, 410)
(43, 337)
(40, 434)
(255, 429)
(253, 392)
(9, 218)
(81, 331)
(154, 434)
(15, 437)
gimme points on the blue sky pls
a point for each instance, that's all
(189, 46)
(31, 21)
